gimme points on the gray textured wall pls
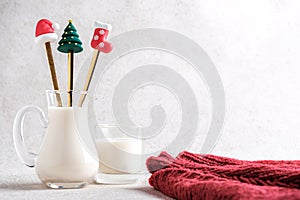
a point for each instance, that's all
(255, 46)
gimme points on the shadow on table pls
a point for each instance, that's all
(150, 191)
(23, 186)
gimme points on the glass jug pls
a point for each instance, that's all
(67, 157)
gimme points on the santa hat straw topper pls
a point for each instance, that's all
(44, 34)
(44, 31)
(100, 44)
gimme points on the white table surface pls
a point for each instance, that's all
(24, 184)
(18, 181)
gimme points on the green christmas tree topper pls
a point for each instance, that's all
(70, 41)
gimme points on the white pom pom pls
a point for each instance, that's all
(55, 26)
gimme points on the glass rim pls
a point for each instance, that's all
(116, 125)
(67, 91)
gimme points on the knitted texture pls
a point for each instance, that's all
(196, 176)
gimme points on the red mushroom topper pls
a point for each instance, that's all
(100, 36)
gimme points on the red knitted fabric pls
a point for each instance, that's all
(196, 176)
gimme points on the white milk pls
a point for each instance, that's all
(63, 157)
(119, 155)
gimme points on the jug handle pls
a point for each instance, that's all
(28, 158)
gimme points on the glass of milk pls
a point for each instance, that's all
(120, 160)
(67, 157)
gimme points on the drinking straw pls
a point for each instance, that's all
(100, 44)
(44, 33)
(70, 44)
